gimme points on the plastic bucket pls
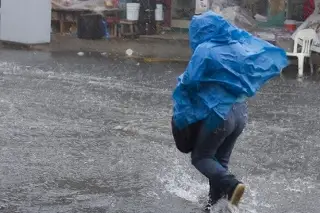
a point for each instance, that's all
(133, 11)
(159, 12)
(290, 25)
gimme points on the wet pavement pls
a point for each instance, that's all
(90, 134)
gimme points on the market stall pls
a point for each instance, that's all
(67, 12)
(121, 17)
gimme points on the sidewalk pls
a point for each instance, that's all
(150, 48)
(166, 47)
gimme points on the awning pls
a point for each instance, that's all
(95, 5)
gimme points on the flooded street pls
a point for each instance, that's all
(92, 135)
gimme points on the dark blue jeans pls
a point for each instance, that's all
(213, 148)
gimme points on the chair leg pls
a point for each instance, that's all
(281, 74)
(311, 65)
(300, 65)
(122, 29)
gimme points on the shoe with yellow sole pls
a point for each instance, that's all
(235, 195)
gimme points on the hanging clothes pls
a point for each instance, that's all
(308, 8)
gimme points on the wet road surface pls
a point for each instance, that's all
(87, 134)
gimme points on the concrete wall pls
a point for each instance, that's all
(178, 21)
(181, 4)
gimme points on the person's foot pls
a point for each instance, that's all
(214, 196)
(208, 207)
(235, 195)
(210, 203)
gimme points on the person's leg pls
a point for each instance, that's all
(215, 194)
(224, 151)
(223, 156)
(223, 145)
(204, 151)
(203, 156)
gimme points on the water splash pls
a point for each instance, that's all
(184, 186)
(223, 206)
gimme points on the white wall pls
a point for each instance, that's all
(25, 21)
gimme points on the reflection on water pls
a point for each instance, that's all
(93, 135)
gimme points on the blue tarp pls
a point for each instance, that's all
(227, 66)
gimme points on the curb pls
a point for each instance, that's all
(114, 54)
(43, 48)
(158, 60)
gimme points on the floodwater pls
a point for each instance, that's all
(91, 134)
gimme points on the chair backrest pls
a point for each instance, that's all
(305, 38)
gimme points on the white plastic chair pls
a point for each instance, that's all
(305, 39)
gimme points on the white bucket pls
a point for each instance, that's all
(159, 12)
(133, 11)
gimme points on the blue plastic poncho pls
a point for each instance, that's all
(228, 64)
